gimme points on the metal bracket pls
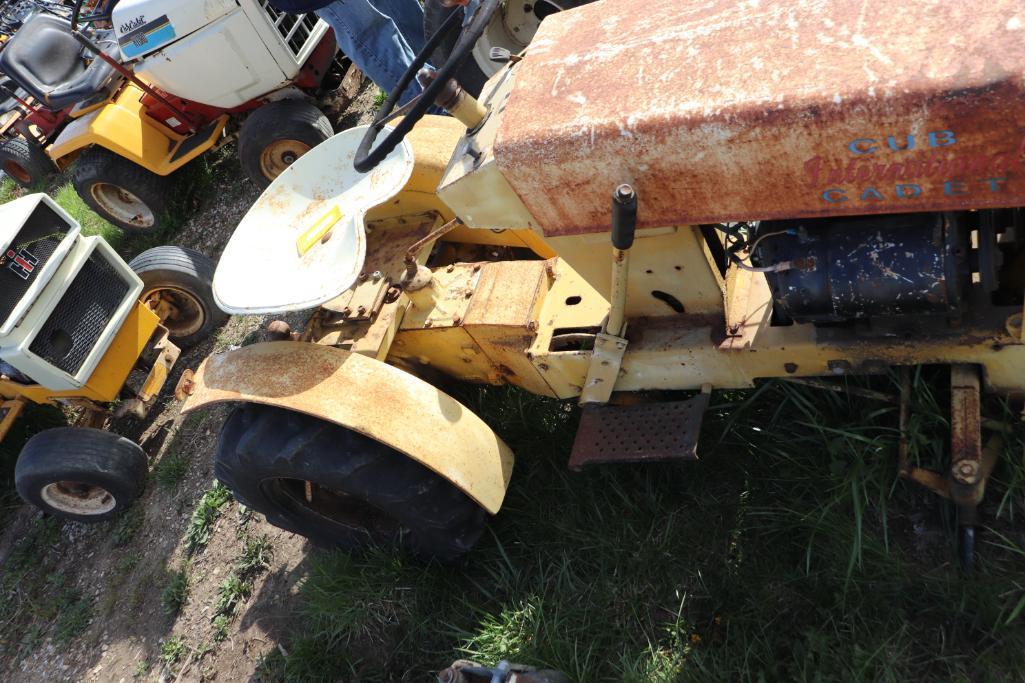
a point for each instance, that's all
(602, 373)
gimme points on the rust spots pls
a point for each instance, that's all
(736, 111)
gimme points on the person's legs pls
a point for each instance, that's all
(373, 42)
(408, 16)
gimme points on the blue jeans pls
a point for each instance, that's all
(381, 37)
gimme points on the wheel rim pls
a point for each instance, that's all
(78, 498)
(336, 507)
(122, 205)
(279, 155)
(17, 171)
(188, 316)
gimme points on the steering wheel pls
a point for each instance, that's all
(367, 159)
(102, 10)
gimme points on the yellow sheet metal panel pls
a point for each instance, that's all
(367, 396)
(105, 383)
(123, 128)
(674, 261)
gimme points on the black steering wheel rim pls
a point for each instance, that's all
(367, 156)
(97, 15)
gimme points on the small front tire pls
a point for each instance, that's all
(122, 192)
(83, 475)
(25, 162)
(276, 135)
(181, 278)
(340, 488)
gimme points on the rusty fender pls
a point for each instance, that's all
(367, 396)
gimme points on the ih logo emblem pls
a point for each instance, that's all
(22, 262)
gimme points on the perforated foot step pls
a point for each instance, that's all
(647, 432)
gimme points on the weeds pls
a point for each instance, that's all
(238, 586)
(127, 525)
(790, 551)
(197, 536)
(173, 650)
(176, 592)
(170, 472)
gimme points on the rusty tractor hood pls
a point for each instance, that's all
(727, 110)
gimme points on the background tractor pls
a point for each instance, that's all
(630, 217)
(131, 91)
(82, 329)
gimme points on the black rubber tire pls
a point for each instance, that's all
(276, 122)
(30, 164)
(89, 456)
(187, 270)
(470, 75)
(98, 165)
(400, 500)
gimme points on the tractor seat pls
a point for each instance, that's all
(44, 59)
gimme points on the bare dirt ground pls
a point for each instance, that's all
(123, 569)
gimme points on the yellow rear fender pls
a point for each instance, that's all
(369, 397)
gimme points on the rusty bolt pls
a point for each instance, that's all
(346, 312)
(362, 277)
(543, 367)
(450, 268)
(428, 323)
(791, 368)
(967, 472)
(457, 320)
(532, 325)
(392, 295)
(360, 310)
(476, 267)
(468, 294)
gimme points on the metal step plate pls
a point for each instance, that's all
(647, 432)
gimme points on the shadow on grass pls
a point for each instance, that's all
(790, 552)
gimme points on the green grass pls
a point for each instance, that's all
(791, 551)
(209, 508)
(127, 525)
(170, 471)
(176, 592)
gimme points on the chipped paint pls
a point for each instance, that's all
(718, 111)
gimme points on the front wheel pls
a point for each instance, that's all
(84, 475)
(25, 162)
(122, 192)
(176, 284)
(277, 134)
(340, 488)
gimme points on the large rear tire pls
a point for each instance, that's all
(182, 278)
(25, 162)
(277, 134)
(122, 192)
(361, 492)
(84, 475)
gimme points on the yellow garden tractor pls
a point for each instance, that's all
(653, 197)
(130, 91)
(82, 329)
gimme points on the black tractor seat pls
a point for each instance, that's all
(48, 63)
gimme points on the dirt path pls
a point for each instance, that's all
(128, 600)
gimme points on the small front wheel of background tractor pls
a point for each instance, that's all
(122, 192)
(85, 475)
(340, 488)
(24, 161)
(177, 280)
(277, 134)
